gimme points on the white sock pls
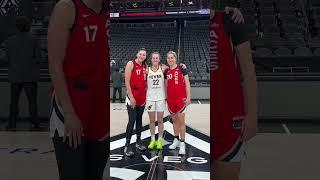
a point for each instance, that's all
(152, 137)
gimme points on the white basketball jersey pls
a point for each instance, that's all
(155, 90)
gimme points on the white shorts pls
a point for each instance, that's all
(155, 106)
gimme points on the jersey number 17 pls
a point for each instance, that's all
(90, 33)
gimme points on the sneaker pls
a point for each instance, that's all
(128, 152)
(140, 146)
(175, 144)
(152, 144)
(182, 149)
(159, 144)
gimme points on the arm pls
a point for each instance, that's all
(165, 83)
(164, 67)
(127, 77)
(237, 16)
(188, 89)
(243, 52)
(58, 33)
(166, 87)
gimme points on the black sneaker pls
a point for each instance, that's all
(140, 146)
(128, 151)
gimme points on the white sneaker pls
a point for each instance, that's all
(175, 144)
(182, 149)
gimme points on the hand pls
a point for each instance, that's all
(72, 130)
(183, 66)
(237, 16)
(249, 126)
(187, 101)
(132, 102)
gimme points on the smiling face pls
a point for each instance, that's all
(171, 59)
(155, 60)
(141, 56)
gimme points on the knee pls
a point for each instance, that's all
(152, 121)
(160, 122)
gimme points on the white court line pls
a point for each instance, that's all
(199, 102)
(286, 129)
(190, 139)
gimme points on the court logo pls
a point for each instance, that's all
(10, 8)
(167, 164)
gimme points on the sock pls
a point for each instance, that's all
(152, 137)
(181, 140)
(138, 139)
(176, 137)
(160, 137)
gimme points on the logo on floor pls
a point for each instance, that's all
(162, 165)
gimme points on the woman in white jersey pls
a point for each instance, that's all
(155, 99)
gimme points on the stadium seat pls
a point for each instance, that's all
(283, 52)
(263, 52)
(302, 51)
(289, 19)
(268, 20)
(249, 19)
(316, 52)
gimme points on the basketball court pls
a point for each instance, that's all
(284, 151)
(166, 164)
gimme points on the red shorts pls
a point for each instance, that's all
(177, 106)
(140, 96)
(91, 105)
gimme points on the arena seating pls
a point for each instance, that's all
(283, 33)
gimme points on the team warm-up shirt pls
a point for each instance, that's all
(86, 68)
(155, 87)
(176, 86)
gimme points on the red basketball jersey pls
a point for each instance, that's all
(176, 87)
(226, 95)
(138, 83)
(87, 61)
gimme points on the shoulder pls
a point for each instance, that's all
(64, 12)
(130, 65)
(165, 71)
(237, 32)
(183, 71)
(64, 4)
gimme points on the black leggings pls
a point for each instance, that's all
(87, 162)
(135, 116)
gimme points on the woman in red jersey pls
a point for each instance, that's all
(78, 63)
(177, 87)
(136, 85)
(233, 95)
